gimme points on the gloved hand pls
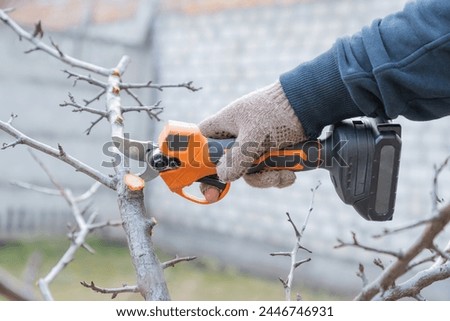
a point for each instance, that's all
(259, 121)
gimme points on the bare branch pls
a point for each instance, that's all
(49, 175)
(356, 243)
(297, 264)
(287, 284)
(8, 10)
(401, 229)
(11, 119)
(88, 248)
(412, 265)
(57, 153)
(87, 102)
(89, 193)
(362, 275)
(187, 85)
(14, 289)
(176, 260)
(440, 260)
(95, 122)
(78, 108)
(134, 96)
(437, 272)
(413, 286)
(36, 188)
(113, 291)
(152, 111)
(88, 79)
(53, 50)
(280, 254)
(137, 226)
(18, 141)
(434, 194)
(78, 238)
(443, 254)
(97, 226)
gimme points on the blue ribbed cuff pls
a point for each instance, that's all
(317, 94)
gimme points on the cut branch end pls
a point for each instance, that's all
(133, 182)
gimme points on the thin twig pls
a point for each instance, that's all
(113, 291)
(152, 111)
(36, 188)
(78, 238)
(87, 79)
(52, 50)
(134, 96)
(443, 254)
(361, 274)
(176, 260)
(401, 229)
(435, 199)
(149, 84)
(386, 279)
(87, 102)
(95, 122)
(75, 163)
(287, 284)
(89, 193)
(105, 224)
(78, 109)
(11, 119)
(356, 243)
(18, 141)
(413, 286)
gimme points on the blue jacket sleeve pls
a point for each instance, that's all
(399, 65)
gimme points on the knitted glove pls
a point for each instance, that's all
(260, 120)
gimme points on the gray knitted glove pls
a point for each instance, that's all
(259, 121)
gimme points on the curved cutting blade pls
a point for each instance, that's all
(137, 150)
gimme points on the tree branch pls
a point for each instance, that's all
(386, 279)
(113, 291)
(78, 108)
(52, 50)
(152, 111)
(176, 260)
(36, 188)
(87, 79)
(413, 286)
(187, 85)
(356, 243)
(287, 284)
(95, 122)
(78, 238)
(87, 102)
(137, 225)
(434, 194)
(57, 153)
(14, 289)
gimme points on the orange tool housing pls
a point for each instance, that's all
(184, 141)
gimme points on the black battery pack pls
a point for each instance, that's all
(363, 158)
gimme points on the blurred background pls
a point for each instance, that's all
(228, 48)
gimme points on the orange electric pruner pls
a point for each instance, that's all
(184, 156)
(362, 156)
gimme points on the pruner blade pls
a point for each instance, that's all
(137, 150)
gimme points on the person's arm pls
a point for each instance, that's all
(399, 65)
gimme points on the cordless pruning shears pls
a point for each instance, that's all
(362, 156)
